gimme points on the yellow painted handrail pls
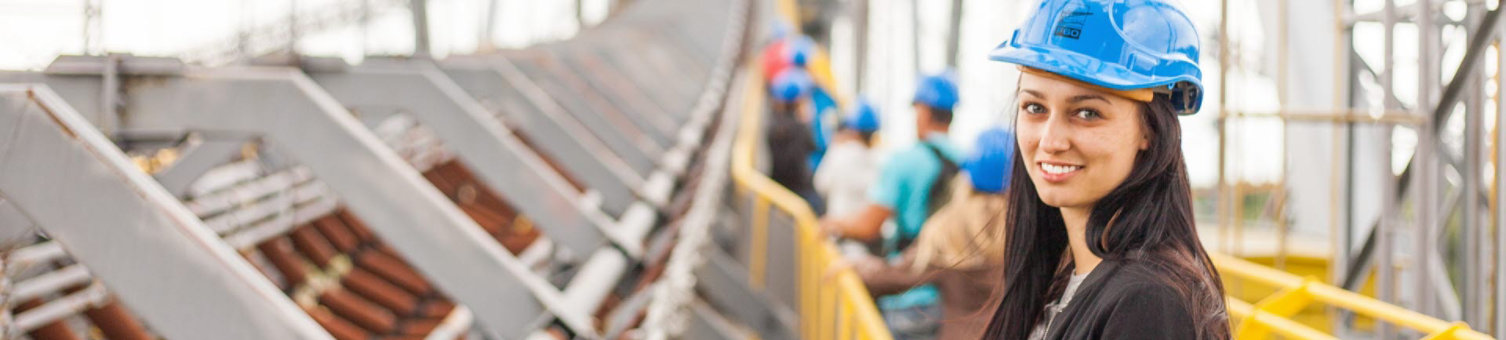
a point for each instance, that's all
(1272, 314)
(833, 303)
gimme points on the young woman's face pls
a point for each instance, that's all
(1077, 143)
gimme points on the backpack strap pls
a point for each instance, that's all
(937, 196)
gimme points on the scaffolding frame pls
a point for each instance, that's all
(1441, 182)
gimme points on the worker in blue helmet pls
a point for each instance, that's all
(1105, 245)
(961, 248)
(912, 184)
(789, 139)
(851, 164)
(799, 53)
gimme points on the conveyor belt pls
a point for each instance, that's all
(313, 199)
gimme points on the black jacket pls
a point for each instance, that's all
(790, 147)
(1124, 300)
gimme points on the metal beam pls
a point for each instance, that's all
(500, 160)
(117, 218)
(1499, 322)
(1479, 41)
(566, 90)
(290, 111)
(201, 155)
(511, 96)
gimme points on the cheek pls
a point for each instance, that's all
(1115, 152)
(1027, 136)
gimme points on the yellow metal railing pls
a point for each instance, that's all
(832, 302)
(1271, 315)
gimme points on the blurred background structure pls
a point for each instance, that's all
(591, 169)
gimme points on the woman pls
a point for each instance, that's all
(1103, 244)
(961, 248)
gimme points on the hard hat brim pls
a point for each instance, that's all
(1087, 69)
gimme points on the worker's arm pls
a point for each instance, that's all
(883, 195)
(862, 225)
(885, 278)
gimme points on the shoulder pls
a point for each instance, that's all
(1139, 299)
(913, 156)
(952, 150)
(1136, 280)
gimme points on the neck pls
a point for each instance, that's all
(927, 131)
(1083, 259)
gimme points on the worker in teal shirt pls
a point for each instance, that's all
(909, 186)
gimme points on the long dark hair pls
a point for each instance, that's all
(1152, 223)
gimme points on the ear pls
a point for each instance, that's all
(1144, 142)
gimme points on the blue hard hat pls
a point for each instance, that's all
(779, 29)
(864, 117)
(791, 84)
(1116, 44)
(937, 91)
(799, 50)
(989, 167)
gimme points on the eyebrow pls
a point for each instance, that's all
(1074, 99)
(1087, 97)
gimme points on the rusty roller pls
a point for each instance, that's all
(313, 245)
(382, 292)
(279, 251)
(338, 234)
(116, 323)
(359, 311)
(338, 327)
(395, 271)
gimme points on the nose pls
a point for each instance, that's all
(1054, 135)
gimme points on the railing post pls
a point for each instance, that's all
(1284, 303)
(759, 257)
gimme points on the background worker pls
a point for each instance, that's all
(911, 185)
(961, 248)
(850, 166)
(789, 139)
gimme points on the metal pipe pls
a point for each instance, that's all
(954, 34)
(55, 329)
(1474, 274)
(1283, 67)
(1499, 329)
(1429, 217)
(54, 311)
(1385, 285)
(1479, 40)
(1223, 121)
(420, 11)
(860, 45)
(50, 282)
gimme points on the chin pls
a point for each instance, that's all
(1056, 198)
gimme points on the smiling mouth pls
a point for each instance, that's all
(1055, 169)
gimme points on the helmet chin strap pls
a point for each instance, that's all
(1144, 95)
